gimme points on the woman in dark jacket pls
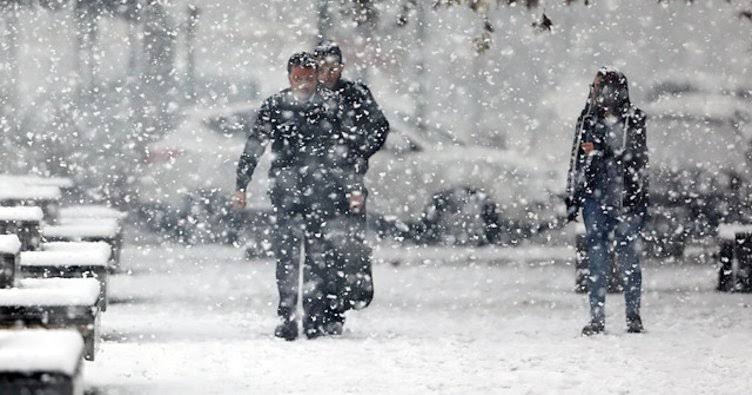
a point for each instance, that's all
(608, 181)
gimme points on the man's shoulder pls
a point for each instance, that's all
(325, 96)
(349, 88)
(325, 92)
(277, 98)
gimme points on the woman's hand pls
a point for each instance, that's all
(238, 200)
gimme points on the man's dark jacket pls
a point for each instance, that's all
(364, 125)
(299, 132)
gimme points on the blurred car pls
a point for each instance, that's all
(699, 140)
(190, 176)
(446, 191)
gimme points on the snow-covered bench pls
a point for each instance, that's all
(68, 264)
(106, 230)
(735, 246)
(73, 213)
(59, 182)
(10, 246)
(97, 247)
(19, 194)
(23, 221)
(39, 361)
(55, 303)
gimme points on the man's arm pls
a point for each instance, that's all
(258, 139)
(574, 177)
(375, 126)
(249, 159)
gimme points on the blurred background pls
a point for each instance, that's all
(139, 102)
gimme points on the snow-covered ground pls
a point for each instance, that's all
(200, 321)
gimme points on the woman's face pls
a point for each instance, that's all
(608, 94)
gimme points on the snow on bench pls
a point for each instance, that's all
(21, 213)
(99, 247)
(52, 292)
(729, 231)
(105, 229)
(60, 182)
(68, 264)
(24, 221)
(83, 221)
(17, 194)
(39, 361)
(56, 303)
(63, 258)
(23, 192)
(92, 211)
(10, 246)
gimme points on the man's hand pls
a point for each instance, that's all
(357, 202)
(588, 148)
(238, 200)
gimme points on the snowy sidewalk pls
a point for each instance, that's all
(200, 321)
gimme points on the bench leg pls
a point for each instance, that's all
(725, 267)
(90, 333)
(744, 261)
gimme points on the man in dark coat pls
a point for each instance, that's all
(608, 180)
(364, 131)
(299, 123)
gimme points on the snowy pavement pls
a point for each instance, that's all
(200, 321)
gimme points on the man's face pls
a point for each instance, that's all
(302, 81)
(329, 74)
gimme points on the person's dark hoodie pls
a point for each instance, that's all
(616, 173)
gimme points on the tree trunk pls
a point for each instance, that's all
(420, 66)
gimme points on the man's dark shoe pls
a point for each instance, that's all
(287, 330)
(333, 328)
(634, 324)
(313, 333)
(593, 328)
(334, 324)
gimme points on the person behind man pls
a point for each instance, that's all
(298, 123)
(364, 131)
(608, 181)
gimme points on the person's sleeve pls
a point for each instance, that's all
(258, 139)
(638, 161)
(576, 159)
(375, 127)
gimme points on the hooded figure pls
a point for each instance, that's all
(615, 171)
(608, 181)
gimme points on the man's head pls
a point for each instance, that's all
(610, 89)
(302, 74)
(329, 58)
